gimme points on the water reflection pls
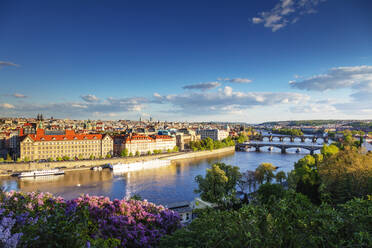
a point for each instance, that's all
(160, 185)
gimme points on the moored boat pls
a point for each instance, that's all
(38, 173)
(139, 165)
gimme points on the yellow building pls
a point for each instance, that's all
(43, 146)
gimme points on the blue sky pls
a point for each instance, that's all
(249, 61)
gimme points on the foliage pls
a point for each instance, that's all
(1, 160)
(270, 193)
(291, 221)
(218, 185)
(108, 155)
(8, 158)
(329, 150)
(130, 154)
(148, 152)
(42, 220)
(137, 154)
(280, 177)
(346, 175)
(66, 158)
(175, 149)
(209, 144)
(287, 131)
(91, 157)
(264, 172)
(124, 153)
(242, 138)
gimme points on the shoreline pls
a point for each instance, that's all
(7, 169)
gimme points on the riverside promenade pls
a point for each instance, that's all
(7, 169)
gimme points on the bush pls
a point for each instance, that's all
(292, 221)
(270, 193)
(42, 220)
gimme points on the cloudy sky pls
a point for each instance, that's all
(249, 61)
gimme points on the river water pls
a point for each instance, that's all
(164, 185)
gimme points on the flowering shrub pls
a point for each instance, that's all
(43, 220)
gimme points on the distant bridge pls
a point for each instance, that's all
(281, 138)
(282, 146)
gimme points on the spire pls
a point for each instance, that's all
(40, 125)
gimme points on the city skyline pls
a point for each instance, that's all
(244, 62)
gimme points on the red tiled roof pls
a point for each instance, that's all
(70, 135)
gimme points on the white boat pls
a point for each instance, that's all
(140, 165)
(38, 173)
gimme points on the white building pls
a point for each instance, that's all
(214, 134)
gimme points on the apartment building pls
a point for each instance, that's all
(42, 145)
(214, 134)
(145, 143)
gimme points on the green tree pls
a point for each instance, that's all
(219, 184)
(329, 150)
(212, 187)
(265, 171)
(148, 152)
(280, 177)
(108, 155)
(91, 157)
(66, 158)
(290, 221)
(130, 154)
(8, 158)
(175, 149)
(59, 159)
(1, 160)
(346, 175)
(124, 153)
(137, 153)
(169, 151)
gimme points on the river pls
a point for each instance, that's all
(164, 185)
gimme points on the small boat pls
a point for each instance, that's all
(38, 173)
(139, 165)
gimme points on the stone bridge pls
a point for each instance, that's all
(291, 138)
(282, 146)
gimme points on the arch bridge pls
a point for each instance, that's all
(291, 138)
(282, 146)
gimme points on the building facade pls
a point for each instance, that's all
(214, 134)
(70, 144)
(147, 143)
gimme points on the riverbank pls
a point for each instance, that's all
(6, 169)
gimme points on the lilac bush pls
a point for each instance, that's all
(36, 219)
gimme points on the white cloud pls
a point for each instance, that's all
(358, 79)
(81, 109)
(7, 106)
(5, 63)
(90, 98)
(257, 20)
(228, 99)
(355, 77)
(202, 86)
(284, 12)
(236, 80)
(17, 95)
